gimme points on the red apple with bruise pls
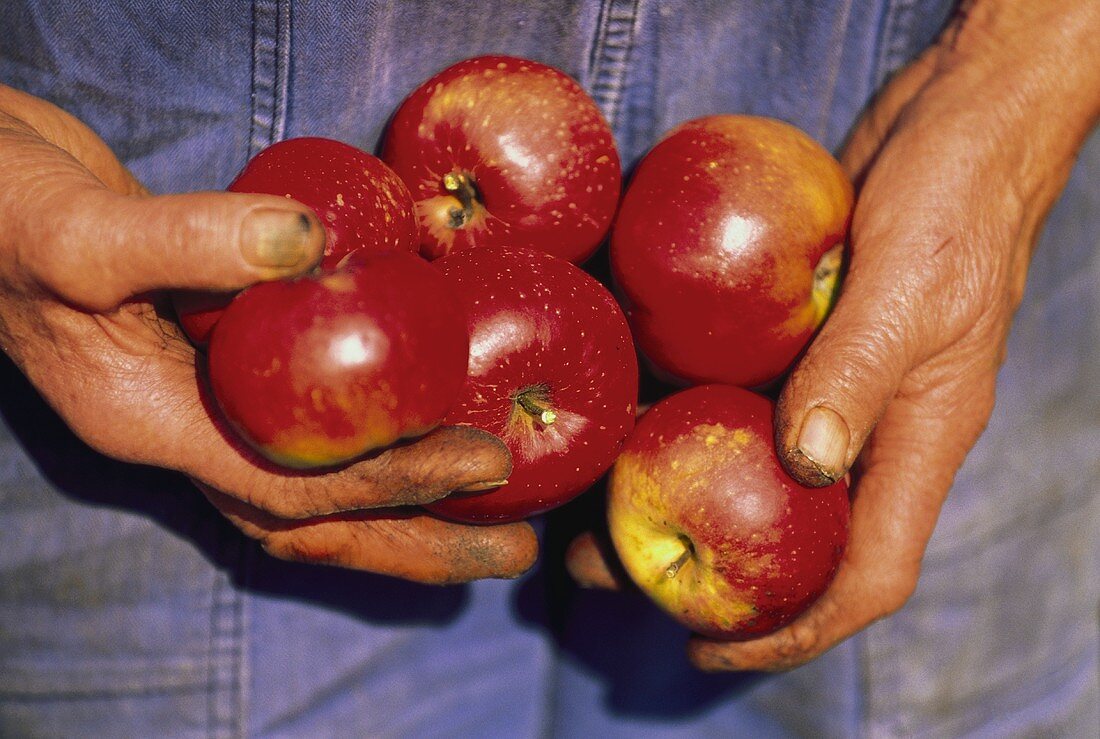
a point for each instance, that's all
(509, 152)
(362, 204)
(553, 372)
(727, 247)
(320, 370)
(709, 524)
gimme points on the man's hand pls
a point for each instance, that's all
(957, 164)
(83, 252)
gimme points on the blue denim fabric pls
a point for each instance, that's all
(128, 607)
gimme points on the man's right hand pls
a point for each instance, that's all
(84, 254)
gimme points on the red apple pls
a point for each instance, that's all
(508, 152)
(320, 370)
(709, 524)
(552, 372)
(727, 247)
(362, 204)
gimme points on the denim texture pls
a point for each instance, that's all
(128, 607)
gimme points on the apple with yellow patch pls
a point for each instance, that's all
(708, 523)
(728, 246)
(502, 151)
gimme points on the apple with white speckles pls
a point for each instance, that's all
(320, 370)
(553, 372)
(503, 151)
(362, 204)
(709, 524)
(728, 245)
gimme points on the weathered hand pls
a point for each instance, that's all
(84, 251)
(956, 170)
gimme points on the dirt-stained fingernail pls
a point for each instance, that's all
(277, 239)
(823, 441)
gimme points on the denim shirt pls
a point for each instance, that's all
(129, 607)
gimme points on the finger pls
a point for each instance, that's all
(591, 562)
(146, 383)
(448, 459)
(909, 468)
(97, 248)
(901, 304)
(840, 388)
(412, 546)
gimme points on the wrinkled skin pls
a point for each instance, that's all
(84, 251)
(956, 168)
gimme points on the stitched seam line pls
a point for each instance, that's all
(611, 55)
(226, 650)
(252, 81)
(897, 21)
(265, 74)
(282, 70)
(834, 66)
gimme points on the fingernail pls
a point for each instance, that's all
(276, 239)
(478, 487)
(823, 441)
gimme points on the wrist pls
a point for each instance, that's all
(1017, 86)
(1042, 58)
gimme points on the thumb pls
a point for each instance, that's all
(848, 376)
(104, 247)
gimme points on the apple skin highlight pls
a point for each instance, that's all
(502, 151)
(727, 247)
(320, 370)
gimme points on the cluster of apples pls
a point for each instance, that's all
(449, 293)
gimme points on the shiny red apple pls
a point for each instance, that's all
(508, 152)
(728, 245)
(320, 370)
(361, 203)
(552, 372)
(708, 523)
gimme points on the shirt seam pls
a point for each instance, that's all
(610, 58)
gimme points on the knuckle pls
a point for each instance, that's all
(103, 441)
(68, 262)
(284, 497)
(305, 547)
(895, 598)
(799, 643)
(893, 591)
(105, 438)
(397, 487)
(281, 503)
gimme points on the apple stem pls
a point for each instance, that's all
(674, 569)
(463, 187)
(531, 400)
